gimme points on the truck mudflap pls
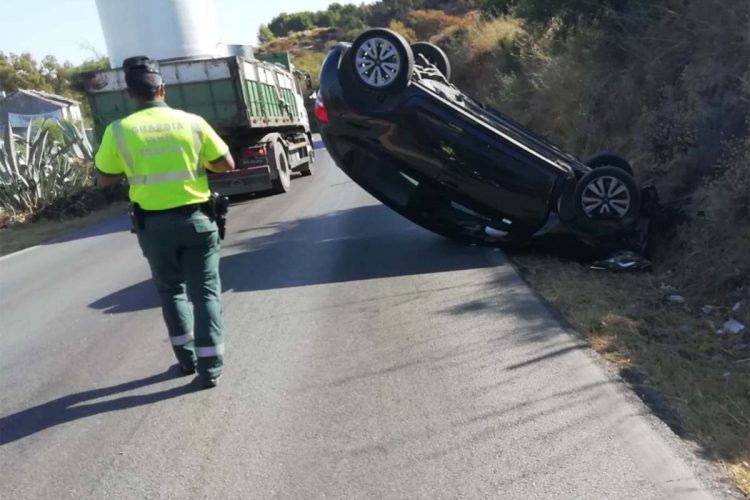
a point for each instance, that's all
(244, 180)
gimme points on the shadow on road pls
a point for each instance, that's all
(351, 245)
(73, 407)
(117, 224)
(358, 244)
(138, 297)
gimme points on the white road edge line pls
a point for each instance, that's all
(19, 252)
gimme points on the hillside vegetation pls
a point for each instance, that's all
(664, 83)
(22, 71)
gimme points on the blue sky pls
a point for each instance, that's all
(69, 29)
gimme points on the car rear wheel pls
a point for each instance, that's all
(433, 55)
(607, 199)
(382, 60)
(605, 159)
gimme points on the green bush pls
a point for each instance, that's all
(310, 63)
(265, 35)
(344, 17)
(37, 170)
(284, 23)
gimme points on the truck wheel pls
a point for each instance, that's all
(607, 200)
(434, 55)
(382, 60)
(281, 163)
(306, 170)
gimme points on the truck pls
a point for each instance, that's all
(256, 104)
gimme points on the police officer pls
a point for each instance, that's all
(164, 153)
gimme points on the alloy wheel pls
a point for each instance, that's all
(378, 62)
(606, 197)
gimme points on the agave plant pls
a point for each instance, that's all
(37, 169)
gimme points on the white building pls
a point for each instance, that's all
(24, 106)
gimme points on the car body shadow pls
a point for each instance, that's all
(362, 243)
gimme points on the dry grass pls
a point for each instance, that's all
(739, 472)
(29, 234)
(704, 377)
(428, 23)
(311, 63)
(486, 37)
(653, 98)
(403, 30)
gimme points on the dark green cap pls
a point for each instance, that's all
(141, 64)
(141, 72)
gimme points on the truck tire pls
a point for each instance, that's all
(283, 182)
(306, 170)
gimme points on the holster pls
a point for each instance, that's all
(216, 208)
(136, 217)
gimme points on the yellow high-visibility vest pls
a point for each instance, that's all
(163, 152)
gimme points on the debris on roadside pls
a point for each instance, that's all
(667, 289)
(669, 294)
(708, 310)
(732, 326)
(624, 260)
(675, 299)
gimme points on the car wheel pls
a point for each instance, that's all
(434, 55)
(605, 159)
(607, 198)
(382, 60)
(281, 163)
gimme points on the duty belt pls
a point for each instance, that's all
(184, 209)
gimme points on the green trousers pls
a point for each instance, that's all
(183, 253)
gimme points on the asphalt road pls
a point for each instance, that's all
(366, 358)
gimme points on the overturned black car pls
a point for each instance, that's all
(391, 119)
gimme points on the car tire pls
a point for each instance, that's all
(434, 56)
(283, 183)
(607, 199)
(390, 74)
(606, 159)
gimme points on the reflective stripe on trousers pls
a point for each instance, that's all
(181, 340)
(209, 352)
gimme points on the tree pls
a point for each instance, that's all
(344, 17)
(23, 72)
(284, 23)
(265, 35)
